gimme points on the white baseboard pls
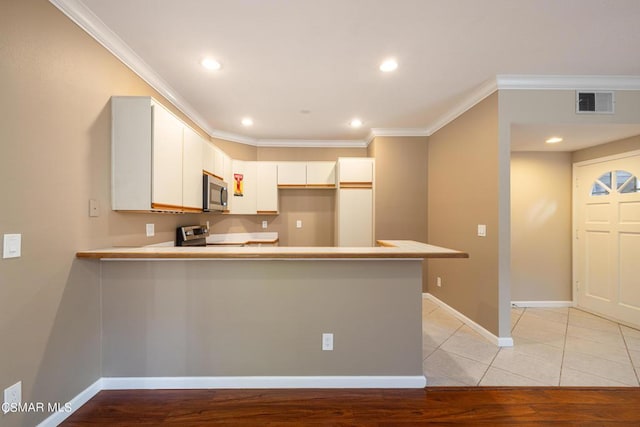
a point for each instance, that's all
(499, 341)
(128, 383)
(524, 304)
(152, 383)
(57, 418)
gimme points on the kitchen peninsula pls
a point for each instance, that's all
(179, 317)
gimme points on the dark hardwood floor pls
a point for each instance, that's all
(364, 407)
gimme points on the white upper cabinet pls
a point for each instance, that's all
(166, 188)
(219, 163)
(192, 147)
(355, 170)
(146, 145)
(208, 157)
(292, 174)
(321, 174)
(267, 198)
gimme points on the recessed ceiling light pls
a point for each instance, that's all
(211, 64)
(388, 65)
(247, 121)
(355, 123)
(553, 140)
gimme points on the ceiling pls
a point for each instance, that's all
(302, 69)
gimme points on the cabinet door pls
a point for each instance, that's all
(292, 174)
(219, 163)
(321, 174)
(208, 157)
(267, 197)
(355, 169)
(244, 176)
(355, 217)
(192, 170)
(166, 187)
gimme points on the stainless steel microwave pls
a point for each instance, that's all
(215, 194)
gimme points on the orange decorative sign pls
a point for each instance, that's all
(238, 184)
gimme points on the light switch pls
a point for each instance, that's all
(299, 223)
(12, 246)
(482, 230)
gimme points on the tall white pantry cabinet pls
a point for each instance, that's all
(156, 160)
(355, 201)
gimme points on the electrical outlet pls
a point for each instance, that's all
(438, 282)
(327, 341)
(94, 208)
(151, 230)
(482, 230)
(299, 223)
(12, 397)
(264, 224)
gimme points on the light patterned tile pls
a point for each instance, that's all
(535, 321)
(592, 322)
(468, 343)
(530, 331)
(548, 314)
(435, 335)
(523, 364)
(631, 337)
(572, 378)
(610, 338)
(428, 306)
(427, 349)
(441, 367)
(498, 377)
(535, 349)
(616, 354)
(614, 371)
(635, 358)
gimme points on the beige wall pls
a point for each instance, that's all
(541, 226)
(609, 149)
(401, 189)
(54, 157)
(463, 191)
(261, 317)
(236, 150)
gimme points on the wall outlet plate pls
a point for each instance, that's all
(12, 396)
(299, 223)
(151, 231)
(264, 224)
(94, 208)
(482, 230)
(12, 246)
(327, 341)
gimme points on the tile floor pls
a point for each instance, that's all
(552, 346)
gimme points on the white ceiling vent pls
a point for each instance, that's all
(594, 102)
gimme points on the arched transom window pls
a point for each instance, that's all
(615, 182)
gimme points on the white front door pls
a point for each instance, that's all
(607, 239)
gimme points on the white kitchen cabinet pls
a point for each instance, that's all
(355, 202)
(220, 161)
(292, 174)
(208, 157)
(355, 169)
(354, 222)
(147, 156)
(166, 188)
(321, 174)
(192, 170)
(267, 188)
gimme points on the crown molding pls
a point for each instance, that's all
(312, 143)
(551, 82)
(234, 137)
(376, 132)
(477, 95)
(96, 28)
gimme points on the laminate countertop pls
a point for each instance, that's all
(386, 249)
